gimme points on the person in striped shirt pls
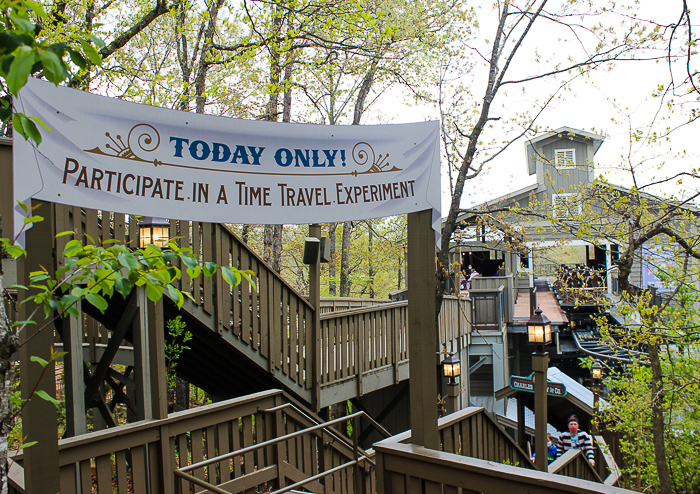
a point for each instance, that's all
(576, 439)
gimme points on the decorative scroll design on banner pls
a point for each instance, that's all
(361, 154)
(144, 138)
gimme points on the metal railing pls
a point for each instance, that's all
(359, 455)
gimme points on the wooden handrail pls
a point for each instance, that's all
(573, 463)
(435, 471)
(363, 310)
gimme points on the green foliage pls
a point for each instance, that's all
(630, 398)
(175, 346)
(23, 55)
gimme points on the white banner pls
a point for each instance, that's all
(108, 154)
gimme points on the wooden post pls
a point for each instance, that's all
(540, 362)
(453, 398)
(76, 418)
(422, 329)
(39, 418)
(315, 300)
(521, 422)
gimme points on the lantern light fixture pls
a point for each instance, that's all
(539, 329)
(154, 231)
(452, 369)
(597, 371)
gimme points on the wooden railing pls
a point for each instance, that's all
(356, 341)
(141, 457)
(477, 455)
(473, 432)
(275, 321)
(574, 463)
(333, 304)
(413, 468)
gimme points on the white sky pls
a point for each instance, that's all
(592, 104)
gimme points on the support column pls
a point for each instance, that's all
(499, 371)
(540, 362)
(521, 422)
(76, 418)
(315, 299)
(422, 330)
(452, 398)
(608, 266)
(39, 418)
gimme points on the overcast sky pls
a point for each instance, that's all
(600, 103)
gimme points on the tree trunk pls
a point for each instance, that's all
(657, 412)
(332, 264)
(272, 239)
(371, 263)
(201, 78)
(245, 234)
(345, 260)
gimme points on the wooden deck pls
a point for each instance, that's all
(546, 301)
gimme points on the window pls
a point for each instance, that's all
(564, 159)
(565, 205)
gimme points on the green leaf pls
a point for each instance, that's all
(39, 360)
(20, 69)
(23, 206)
(57, 355)
(26, 445)
(18, 286)
(232, 277)
(22, 323)
(176, 296)
(98, 41)
(128, 260)
(123, 287)
(90, 52)
(63, 234)
(153, 292)
(77, 58)
(33, 219)
(26, 128)
(189, 261)
(23, 24)
(209, 269)
(97, 300)
(54, 68)
(250, 280)
(45, 396)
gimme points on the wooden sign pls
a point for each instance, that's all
(526, 384)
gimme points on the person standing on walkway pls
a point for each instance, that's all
(576, 439)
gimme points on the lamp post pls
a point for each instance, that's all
(154, 231)
(597, 375)
(452, 369)
(539, 332)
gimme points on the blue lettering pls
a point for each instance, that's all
(284, 157)
(331, 157)
(255, 154)
(205, 150)
(221, 152)
(178, 145)
(240, 153)
(299, 156)
(315, 155)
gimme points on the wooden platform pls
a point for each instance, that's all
(546, 301)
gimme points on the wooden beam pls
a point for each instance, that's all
(422, 329)
(315, 300)
(76, 418)
(39, 418)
